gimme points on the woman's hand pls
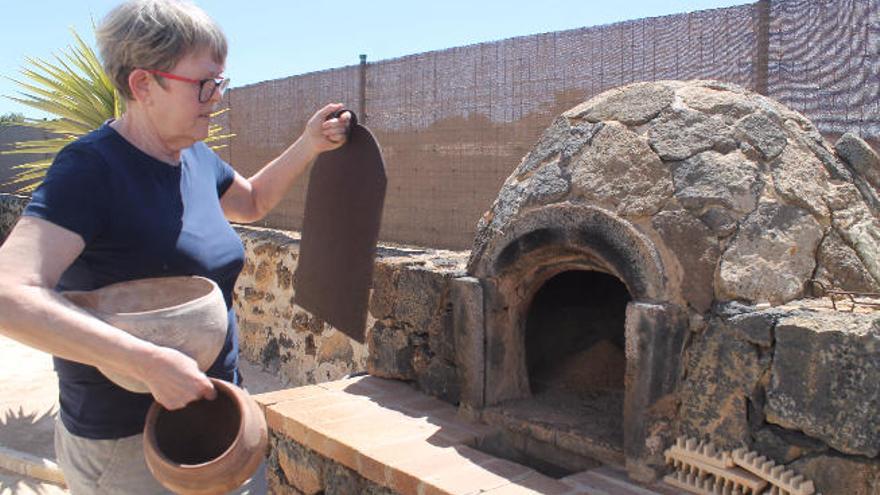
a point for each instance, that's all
(249, 200)
(322, 134)
(174, 378)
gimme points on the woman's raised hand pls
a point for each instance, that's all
(324, 134)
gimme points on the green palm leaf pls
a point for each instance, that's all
(75, 89)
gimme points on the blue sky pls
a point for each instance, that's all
(274, 39)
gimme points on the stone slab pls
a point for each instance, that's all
(823, 379)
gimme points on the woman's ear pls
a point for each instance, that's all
(140, 85)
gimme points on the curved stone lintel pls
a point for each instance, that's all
(619, 246)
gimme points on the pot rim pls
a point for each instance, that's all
(151, 312)
(156, 409)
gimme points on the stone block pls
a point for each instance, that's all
(823, 379)
(841, 475)
(755, 327)
(336, 347)
(711, 179)
(419, 297)
(391, 353)
(785, 446)
(771, 257)
(440, 379)
(277, 486)
(696, 248)
(714, 101)
(547, 149)
(723, 372)
(800, 180)
(680, 133)
(548, 184)
(762, 133)
(299, 470)
(470, 335)
(840, 267)
(11, 207)
(343, 481)
(384, 290)
(655, 338)
(441, 334)
(619, 171)
(859, 227)
(632, 105)
(860, 156)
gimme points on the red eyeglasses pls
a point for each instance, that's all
(207, 87)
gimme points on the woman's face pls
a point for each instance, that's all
(176, 112)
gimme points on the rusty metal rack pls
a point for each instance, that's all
(836, 294)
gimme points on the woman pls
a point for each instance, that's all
(140, 197)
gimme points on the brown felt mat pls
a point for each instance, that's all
(341, 222)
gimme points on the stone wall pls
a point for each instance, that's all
(294, 469)
(11, 206)
(413, 336)
(795, 383)
(276, 333)
(409, 326)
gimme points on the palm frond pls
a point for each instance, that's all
(75, 89)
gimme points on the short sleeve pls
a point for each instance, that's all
(74, 193)
(225, 176)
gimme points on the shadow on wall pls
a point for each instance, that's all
(10, 134)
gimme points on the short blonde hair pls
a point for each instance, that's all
(154, 34)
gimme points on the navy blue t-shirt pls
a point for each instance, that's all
(139, 218)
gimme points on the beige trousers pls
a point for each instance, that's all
(117, 467)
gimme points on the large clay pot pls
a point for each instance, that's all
(209, 446)
(184, 313)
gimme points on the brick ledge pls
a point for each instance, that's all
(398, 438)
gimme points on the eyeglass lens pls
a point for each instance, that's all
(209, 86)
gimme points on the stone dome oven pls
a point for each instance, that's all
(656, 266)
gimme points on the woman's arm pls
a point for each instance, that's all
(32, 260)
(249, 200)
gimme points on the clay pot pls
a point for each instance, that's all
(209, 446)
(184, 313)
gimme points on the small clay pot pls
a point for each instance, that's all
(185, 313)
(209, 446)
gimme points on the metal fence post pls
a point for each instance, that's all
(362, 104)
(762, 52)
